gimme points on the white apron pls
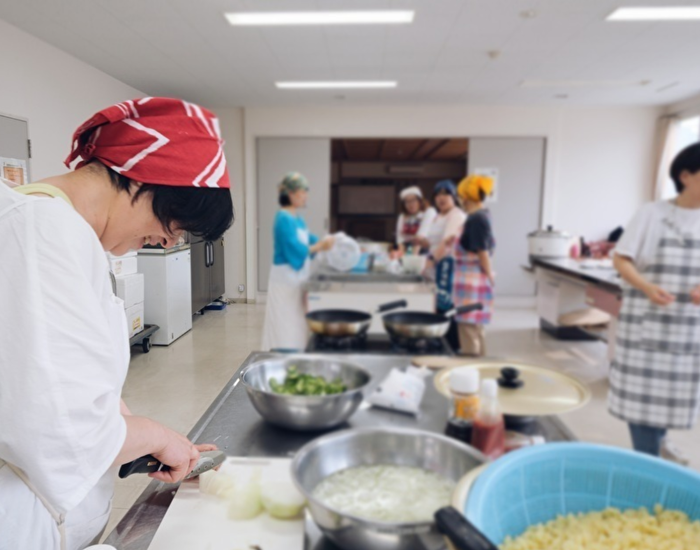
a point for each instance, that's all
(28, 520)
(655, 376)
(285, 314)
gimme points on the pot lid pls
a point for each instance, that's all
(526, 390)
(550, 232)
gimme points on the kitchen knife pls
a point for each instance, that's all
(148, 464)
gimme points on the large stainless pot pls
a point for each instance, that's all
(549, 243)
(305, 412)
(401, 446)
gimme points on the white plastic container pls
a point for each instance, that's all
(134, 319)
(130, 288)
(123, 265)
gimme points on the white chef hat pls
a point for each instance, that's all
(414, 190)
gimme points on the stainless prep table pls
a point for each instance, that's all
(232, 423)
(566, 284)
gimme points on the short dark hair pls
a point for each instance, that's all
(202, 211)
(284, 200)
(687, 160)
(455, 198)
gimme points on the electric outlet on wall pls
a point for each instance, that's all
(241, 288)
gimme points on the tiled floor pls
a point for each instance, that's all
(175, 385)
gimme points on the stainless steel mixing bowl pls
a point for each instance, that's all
(399, 446)
(300, 412)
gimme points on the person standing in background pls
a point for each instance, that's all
(473, 277)
(448, 222)
(415, 219)
(655, 374)
(439, 240)
(285, 324)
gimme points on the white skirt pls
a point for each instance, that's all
(285, 314)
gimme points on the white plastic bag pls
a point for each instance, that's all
(345, 253)
(400, 390)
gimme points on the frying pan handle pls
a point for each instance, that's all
(461, 533)
(392, 305)
(468, 309)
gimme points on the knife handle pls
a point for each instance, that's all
(144, 465)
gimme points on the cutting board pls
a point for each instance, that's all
(195, 521)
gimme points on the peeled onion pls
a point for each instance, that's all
(281, 499)
(215, 483)
(244, 501)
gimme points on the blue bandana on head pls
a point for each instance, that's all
(446, 186)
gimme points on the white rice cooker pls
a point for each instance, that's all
(549, 243)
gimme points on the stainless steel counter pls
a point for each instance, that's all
(365, 278)
(606, 277)
(233, 424)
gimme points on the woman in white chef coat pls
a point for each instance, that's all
(285, 323)
(149, 170)
(655, 374)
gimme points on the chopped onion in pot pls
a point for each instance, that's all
(386, 493)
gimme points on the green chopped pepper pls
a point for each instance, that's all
(297, 383)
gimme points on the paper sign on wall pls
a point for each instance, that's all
(493, 174)
(14, 170)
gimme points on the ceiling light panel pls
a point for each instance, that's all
(320, 18)
(350, 84)
(671, 13)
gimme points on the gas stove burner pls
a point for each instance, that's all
(321, 342)
(420, 345)
(378, 344)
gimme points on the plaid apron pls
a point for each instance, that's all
(655, 376)
(470, 285)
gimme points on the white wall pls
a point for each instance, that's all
(232, 131)
(605, 169)
(598, 168)
(54, 91)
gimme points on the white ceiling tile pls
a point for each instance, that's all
(187, 47)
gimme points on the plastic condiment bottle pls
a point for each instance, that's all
(489, 429)
(464, 403)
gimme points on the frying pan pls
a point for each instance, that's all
(420, 324)
(345, 322)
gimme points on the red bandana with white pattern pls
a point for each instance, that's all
(155, 140)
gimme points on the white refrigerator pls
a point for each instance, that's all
(168, 291)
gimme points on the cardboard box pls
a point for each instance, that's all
(130, 288)
(134, 319)
(123, 265)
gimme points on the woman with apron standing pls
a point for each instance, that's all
(473, 277)
(285, 325)
(415, 219)
(149, 170)
(439, 241)
(655, 374)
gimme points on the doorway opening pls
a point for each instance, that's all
(367, 176)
